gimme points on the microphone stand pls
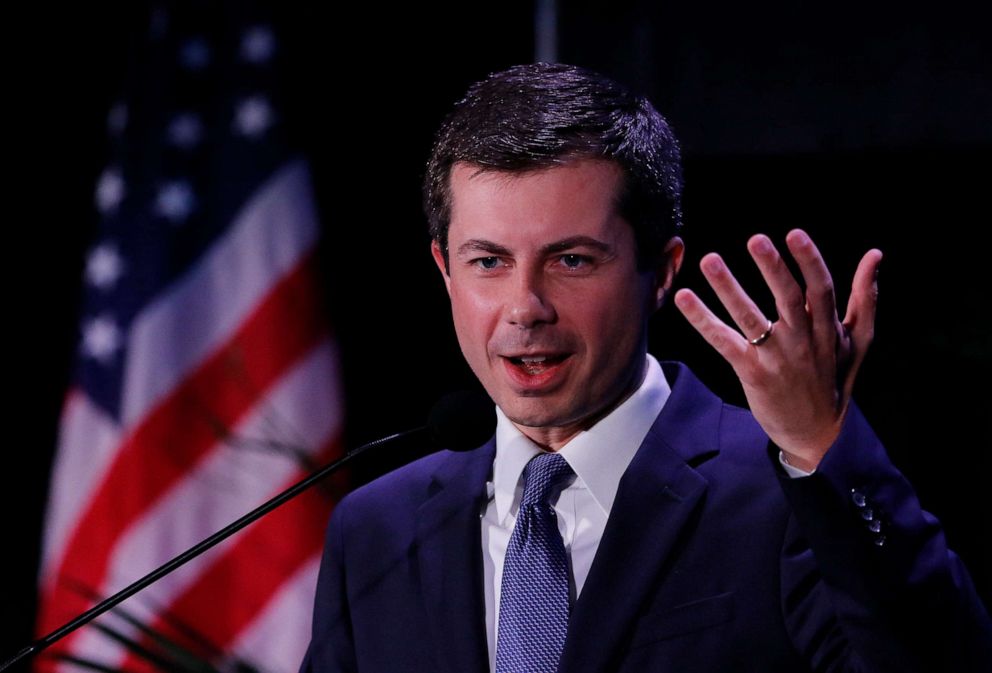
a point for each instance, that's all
(191, 553)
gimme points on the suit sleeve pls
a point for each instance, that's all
(331, 647)
(868, 580)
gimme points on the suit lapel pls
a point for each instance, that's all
(449, 551)
(655, 500)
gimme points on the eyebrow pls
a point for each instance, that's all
(576, 242)
(482, 245)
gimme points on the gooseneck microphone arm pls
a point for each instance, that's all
(191, 553)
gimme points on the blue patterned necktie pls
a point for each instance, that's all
(534, 603)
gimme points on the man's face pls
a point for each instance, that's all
(548, 304)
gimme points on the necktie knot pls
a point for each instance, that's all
(542, 475)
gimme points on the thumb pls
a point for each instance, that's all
(859, 321)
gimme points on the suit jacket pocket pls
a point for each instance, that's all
(683, 619)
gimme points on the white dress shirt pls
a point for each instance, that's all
(599, 456)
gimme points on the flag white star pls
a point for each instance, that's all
(110, 190)
(117, 119)
(101, 339)
(253, 116)
(258, 44)
(195, 54)
(175, 201)
(104, 266)
(185, 130)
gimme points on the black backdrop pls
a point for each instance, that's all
(866, 126)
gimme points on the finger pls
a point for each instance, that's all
(789, 300)
(859, 319)
(744, 312)
(717, 334)
(821, 303)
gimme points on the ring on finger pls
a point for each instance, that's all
(763, 337)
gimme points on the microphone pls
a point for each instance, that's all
(459, 421)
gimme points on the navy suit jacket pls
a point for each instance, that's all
(712, 560)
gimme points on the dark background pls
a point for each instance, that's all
(867, 125)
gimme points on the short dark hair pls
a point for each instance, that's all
(541, 115)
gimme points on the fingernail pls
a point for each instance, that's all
(713, 265)
(763, 246)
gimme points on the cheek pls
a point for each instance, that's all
(611, 318)
(598, 302)
(473, 315)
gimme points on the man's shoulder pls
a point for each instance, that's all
(714, 445)
(408, 486)
(696, 421)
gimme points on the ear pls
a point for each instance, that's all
(442, 266)
(668, 268)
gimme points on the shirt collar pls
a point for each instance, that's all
(599, 456)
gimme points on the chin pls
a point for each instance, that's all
(532, 413)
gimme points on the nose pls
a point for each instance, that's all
(529, 304)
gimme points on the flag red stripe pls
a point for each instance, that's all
(247, 575)
(181, 430)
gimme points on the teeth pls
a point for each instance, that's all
(531, 360)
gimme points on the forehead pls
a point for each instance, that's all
(576, 197)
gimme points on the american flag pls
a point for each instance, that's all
(206, 377)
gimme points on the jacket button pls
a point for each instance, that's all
(874, 525)
(858, 498)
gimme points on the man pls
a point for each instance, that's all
(623, 518)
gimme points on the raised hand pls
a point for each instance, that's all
(797, 372)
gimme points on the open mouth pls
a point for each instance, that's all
(537, 364)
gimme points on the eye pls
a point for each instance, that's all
(487, 263)
(574, 261)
